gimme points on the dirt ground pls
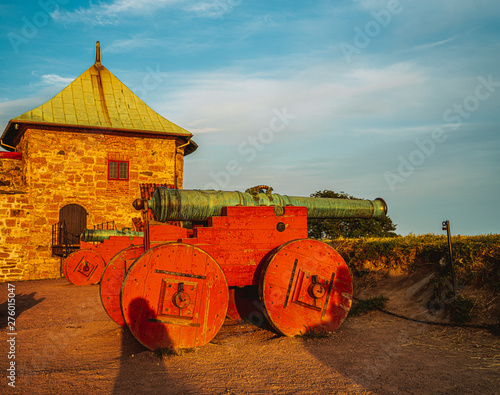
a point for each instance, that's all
(65, 343)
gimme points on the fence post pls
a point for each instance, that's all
(446, 226)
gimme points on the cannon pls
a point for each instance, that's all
(97, 246)
(176, 294)
(198, 205)
(99, 235)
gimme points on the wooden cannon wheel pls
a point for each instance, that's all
(84, 267)
(306, 286)
(175, 295)
(112, 279)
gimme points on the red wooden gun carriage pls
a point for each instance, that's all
(98, 246)
(86, 265)
(175, 293)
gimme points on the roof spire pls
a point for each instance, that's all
(98, 55)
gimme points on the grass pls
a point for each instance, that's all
(476, 258)
(365, 306)
(461, 310)
(163, 352)
(314, 334)
(495, 329)
(476, 261)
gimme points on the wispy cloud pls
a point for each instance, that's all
(56, 80)
(406, 130)
(397, 74)
(211, 9)
(109, 13)
(142, 41)
(205, 129)
(425, 47)
(48, 86)
(131, 44)
(372, 4)
(241, 102)
(114, 12)
(12, 108)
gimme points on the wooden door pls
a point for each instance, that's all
(74, 217)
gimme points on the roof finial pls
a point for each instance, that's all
(98, 54)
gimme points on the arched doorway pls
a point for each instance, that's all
(74, 218)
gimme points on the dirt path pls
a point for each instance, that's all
(65, 343)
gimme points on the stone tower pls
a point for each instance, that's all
(80, 159)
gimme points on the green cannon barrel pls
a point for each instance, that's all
(99, 235)
(199, 205)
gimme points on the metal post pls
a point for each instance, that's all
(446, 226)
(147, 240)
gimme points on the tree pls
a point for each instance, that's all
(348, 227)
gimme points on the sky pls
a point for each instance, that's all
(398, 99)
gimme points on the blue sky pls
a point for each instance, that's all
(396, 99)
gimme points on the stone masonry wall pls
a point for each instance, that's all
(14, 220)
(62, 167)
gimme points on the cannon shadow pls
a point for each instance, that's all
(141, 369)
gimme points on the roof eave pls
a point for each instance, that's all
(4, 140)
(190, 148)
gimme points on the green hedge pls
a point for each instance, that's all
(476, 258)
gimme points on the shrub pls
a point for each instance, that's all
(461, 309)
(476, 258)
(364, 306)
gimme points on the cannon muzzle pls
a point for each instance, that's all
(199, 205)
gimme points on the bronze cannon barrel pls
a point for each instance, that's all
(199, 205)
(99, 235)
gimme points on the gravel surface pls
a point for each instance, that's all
(64, 342)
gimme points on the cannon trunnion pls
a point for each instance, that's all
(176, 292)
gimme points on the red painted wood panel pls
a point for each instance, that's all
(166, 232)
(240, 241)
(11, 155)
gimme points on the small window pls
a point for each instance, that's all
(117, 170)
